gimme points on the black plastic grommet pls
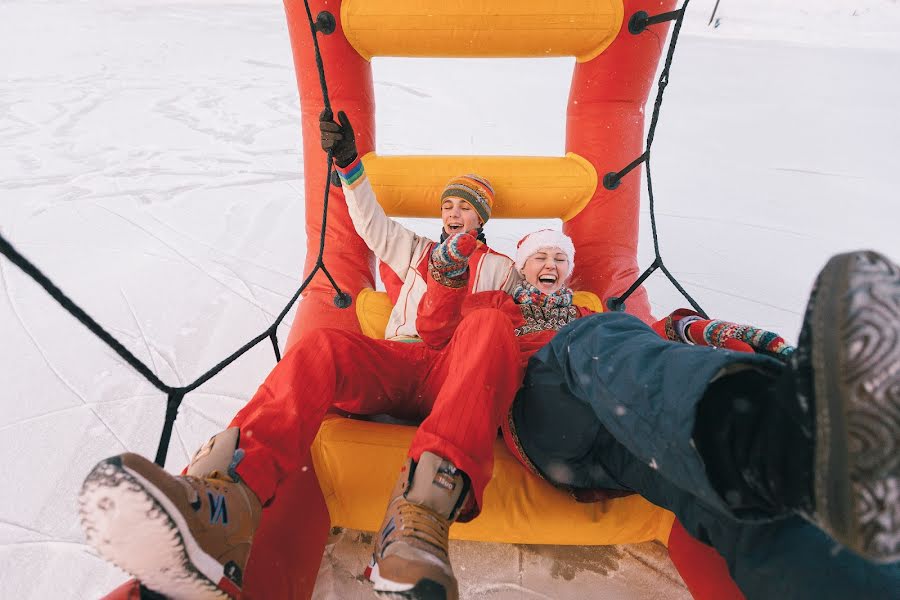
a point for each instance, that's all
(611, 180)
(638, 22)
(343, 300)
(325, 23)
(614, 304)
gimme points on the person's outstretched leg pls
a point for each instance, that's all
(642, 389)
(450, 459)
(190, 536)
(325, 368)
(785, 557)
(818, 437)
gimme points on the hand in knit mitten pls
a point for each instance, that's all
(734, 336)
(686, 326)
(450, 259)
(340, 139)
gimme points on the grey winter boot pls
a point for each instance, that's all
(847, 368)
(184, 537)
(821, 438)
(411, 560)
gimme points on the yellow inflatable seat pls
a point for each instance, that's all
(373, 309)
(357, 463)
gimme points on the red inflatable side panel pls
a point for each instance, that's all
(605, 125)
(350, 88)
(290, 542)
(289, 545)
(703, 570)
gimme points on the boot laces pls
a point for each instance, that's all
(420, 527)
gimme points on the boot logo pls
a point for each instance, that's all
(388, 529)
(218, 511)
(444, 480)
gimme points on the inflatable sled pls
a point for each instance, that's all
(356, 462)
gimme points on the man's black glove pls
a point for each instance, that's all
(338, 138)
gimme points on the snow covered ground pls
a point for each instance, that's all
(150, 164)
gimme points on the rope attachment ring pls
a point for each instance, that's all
(641, 20)
(326, 24)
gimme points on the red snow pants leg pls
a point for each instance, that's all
(473, 383)
(325, 368)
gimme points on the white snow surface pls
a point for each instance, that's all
(150, 164)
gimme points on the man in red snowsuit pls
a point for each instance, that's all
(195, 531)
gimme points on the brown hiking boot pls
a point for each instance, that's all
(184, 537)
(411, 559)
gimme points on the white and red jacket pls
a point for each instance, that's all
(404, 255)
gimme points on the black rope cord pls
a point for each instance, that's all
(611, 180)
(713, 14)
(176, 394)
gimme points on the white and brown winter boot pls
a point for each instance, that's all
(184, 537)
(411, 559)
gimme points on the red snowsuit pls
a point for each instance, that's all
(462, 391)
(443, 309)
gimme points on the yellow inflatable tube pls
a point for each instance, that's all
(525, 187)
(481, 28)
(373, 309)
(355, 459)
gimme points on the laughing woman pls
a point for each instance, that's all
(775, 457)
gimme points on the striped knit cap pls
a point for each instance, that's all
(475, 190)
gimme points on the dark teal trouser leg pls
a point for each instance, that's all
(608, 404)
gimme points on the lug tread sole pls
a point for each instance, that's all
(131, 529)
(856, 355)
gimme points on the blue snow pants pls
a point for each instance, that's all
(608, 404)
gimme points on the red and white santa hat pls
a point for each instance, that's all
(543, 239)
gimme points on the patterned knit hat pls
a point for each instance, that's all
(541, 239)
(475, 190)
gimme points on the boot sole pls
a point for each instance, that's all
(143, 534)
(856, 360)
(425, 589)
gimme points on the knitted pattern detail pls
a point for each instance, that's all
(543, 318)
(451, 257)
(528, 294)
(442, 278)
(767, 342)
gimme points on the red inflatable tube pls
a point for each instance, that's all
(349, 76)
(605, 125)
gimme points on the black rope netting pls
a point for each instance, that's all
(324, 23)
(176, 394)
(637, 24)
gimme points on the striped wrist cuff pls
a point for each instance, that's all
(351, 175)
